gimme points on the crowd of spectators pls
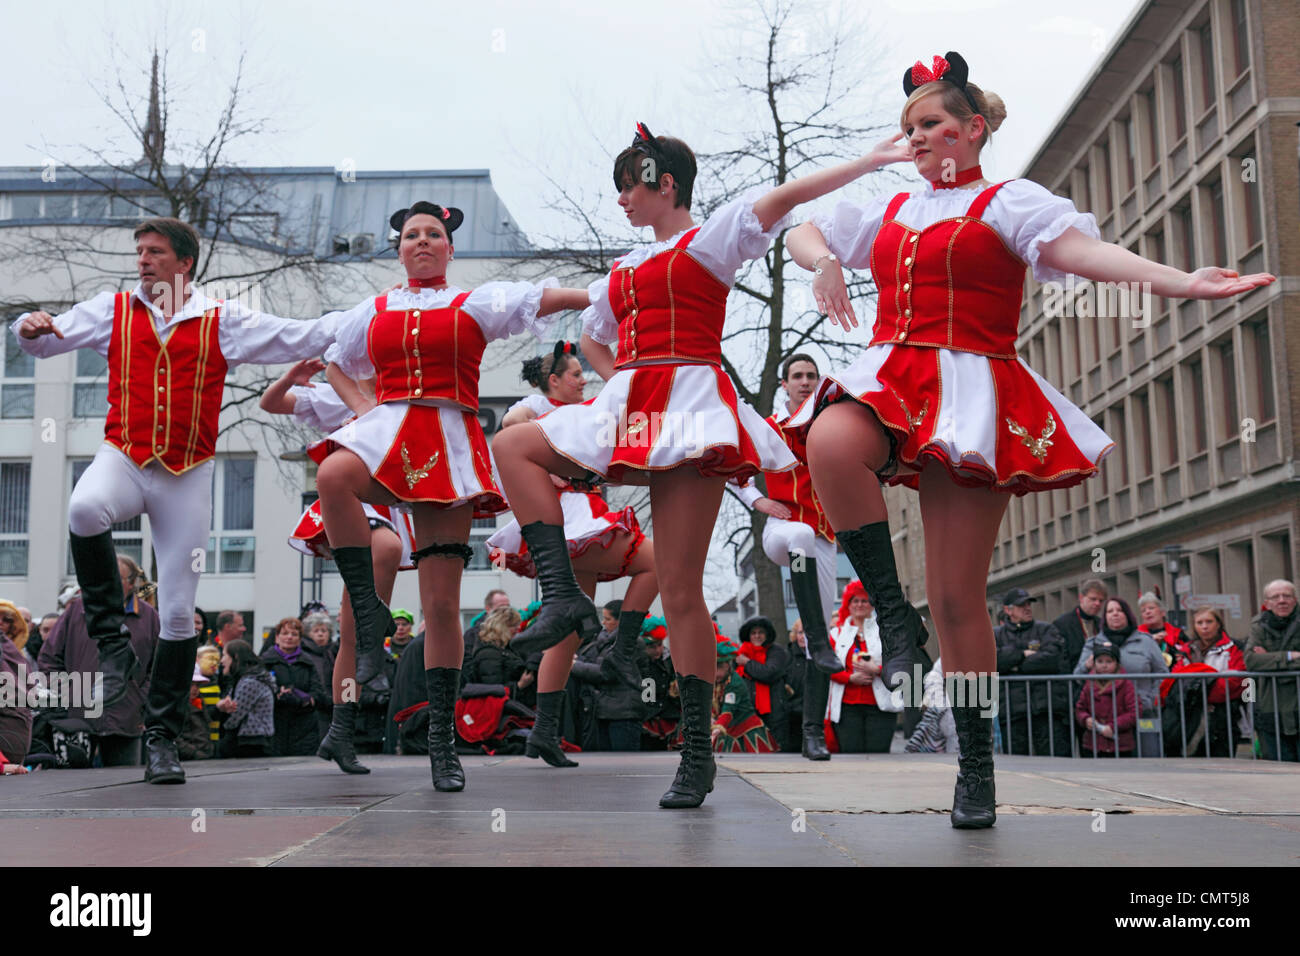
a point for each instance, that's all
(1112, 694)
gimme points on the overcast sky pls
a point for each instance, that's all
(526, 90)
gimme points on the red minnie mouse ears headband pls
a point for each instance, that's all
(562, 349)
(451, 216)
(951, 67)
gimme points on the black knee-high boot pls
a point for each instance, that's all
(370, 616)
(902, 631)
(165, 709)
(816, 690)
(808, 599)
(565, 608)
(338, 744)
(629, 635)
(697, 769)
(544, 740)
(974, 802)
(443, 686)
(101, 598)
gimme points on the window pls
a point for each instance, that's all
(90, 391)
(127, 536)
(1196, 399)
(1168, 414)
(1218, 232)
(1184, 238)
(1130, 153)
(232, 511)
(18, 392)
(1252, 229)
(1257, 341)
(1228, 389)
(1107, 183)
(1119, 460)
(1085, 190)
(1153, 131)
(1240, 38)
(1103, 473)
(1206, 40)
(1179, 97)
(15, 495)
(480, 530)
(1142, 432)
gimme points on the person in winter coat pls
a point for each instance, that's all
(493, 660)
(299, 692)
(1032, 709)
(1151, 612)
(250, 723)
(1274, 645)
(1107, 709)
(664, 708)
(763, 664)
(1138, 653)
(795, 675)
(737, 728)
(618, 707)
(1208, 649)
(116, 733)
(15, 715)
(864, 713)
(1082, 621)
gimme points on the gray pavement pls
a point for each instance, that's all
(779, 809)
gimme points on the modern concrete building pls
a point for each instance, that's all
(320, 242)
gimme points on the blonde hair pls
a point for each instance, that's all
(499, 626)
(1210, 609)
(989, 105)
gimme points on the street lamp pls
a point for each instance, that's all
(1173, 555)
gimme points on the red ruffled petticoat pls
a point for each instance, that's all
(309, 534)
(588, 523)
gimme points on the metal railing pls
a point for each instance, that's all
(1185, 724)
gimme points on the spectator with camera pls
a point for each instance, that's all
(299, 692)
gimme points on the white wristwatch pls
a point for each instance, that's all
(817, 267)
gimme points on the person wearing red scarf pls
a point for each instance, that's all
(763, 663)
(858, 699)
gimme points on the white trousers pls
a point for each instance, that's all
(179, 507)
(781, 538)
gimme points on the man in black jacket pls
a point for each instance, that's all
(759, 633)
(1081, 622)
(1037, 715)
(617, 685)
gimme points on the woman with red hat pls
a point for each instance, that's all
(939, 400)
(863, 712)
(407, 362)
(669, 414)
(603, 545)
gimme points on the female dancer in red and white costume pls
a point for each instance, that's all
(669, 411)
(939, 400)
(318, 406)
(407, 363)
(604, 545)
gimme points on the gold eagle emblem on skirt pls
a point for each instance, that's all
(1037, 446)
(415, 475)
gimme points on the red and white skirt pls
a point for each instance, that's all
(309, 534)
(588, 523)
(430, 454)
(657, 417)
(992, 423)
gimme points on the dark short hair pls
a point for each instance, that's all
(671, 155)
(226, 617)
(184, 240)
(1093, 585)
(797, 357)
(243, 661)
(487, 598)
(614, 607)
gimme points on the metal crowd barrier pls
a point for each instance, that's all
(1152, 738)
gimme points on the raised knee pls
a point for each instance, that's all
(86, 516)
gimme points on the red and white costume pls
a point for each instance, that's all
(318, 406)
(588, 521)
(423, 346)
(807, 530)
(166, 377)
(941, 371)
(670, 402)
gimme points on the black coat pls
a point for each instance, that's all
(1012, 641)
(297, 732)
(1070, 626)
(409, 688)
(661, 673)
(617, 688)
(771, 672)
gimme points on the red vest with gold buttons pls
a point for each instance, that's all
(794, 488)
(669, 307)
(954, 284)
(426, 353)
(164, 398)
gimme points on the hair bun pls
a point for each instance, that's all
(532, 372)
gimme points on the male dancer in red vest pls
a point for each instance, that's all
(798, 535)
(169, 349)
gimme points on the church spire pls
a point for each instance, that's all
(153, 130)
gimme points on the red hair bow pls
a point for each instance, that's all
(921, 75)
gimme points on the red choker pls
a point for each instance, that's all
(961, 179)
(433, 283)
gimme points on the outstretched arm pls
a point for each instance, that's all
(1090, 258)
(785, 197)
(557, 300)
(276, 399)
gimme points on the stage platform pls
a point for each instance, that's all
(877, 810)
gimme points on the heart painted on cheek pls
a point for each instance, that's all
(950, 137)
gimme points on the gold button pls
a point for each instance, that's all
(417, 351)
(419, 372)
(912, 239)
(418, 392)
(161, 389)
(907, 311)
(161, 408)
(900, 336)
(160, 448)
(907, 286)
(907, 261)
(416, 313)
(159, 428)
